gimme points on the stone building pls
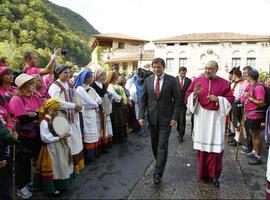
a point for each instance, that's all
(228, 49)
(126, 51)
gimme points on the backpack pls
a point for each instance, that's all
(266, 105)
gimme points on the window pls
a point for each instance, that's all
(251, 42)
(236, 62)
(134, 66)
(183, 44)
(121, 45)
(251, 62)
(209, 43)
(169, 63)
(125, 65)
(182, 62)
(170, 44)
(236, 42)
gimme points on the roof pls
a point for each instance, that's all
(148, 55)
(113, 36)
(213, 37)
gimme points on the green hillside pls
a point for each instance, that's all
(75, 22)
(40, 26)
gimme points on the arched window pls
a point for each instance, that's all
(251, 58)
(183, 59)
(236, 59)
(169, 60)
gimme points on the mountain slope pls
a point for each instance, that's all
(34, 25)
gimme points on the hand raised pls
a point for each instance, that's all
(197, 88)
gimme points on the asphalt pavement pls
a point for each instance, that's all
(127, 172)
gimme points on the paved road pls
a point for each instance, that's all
(179, 180)
(127, 172)
(114, 174)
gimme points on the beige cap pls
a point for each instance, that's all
(22, 79)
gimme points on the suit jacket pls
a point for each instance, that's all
(164, 108)
(182, 92)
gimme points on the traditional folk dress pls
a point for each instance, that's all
(68, 98)
(209, 123)
(91, 134)
(118, 112)
(103, 115)
(54, 170)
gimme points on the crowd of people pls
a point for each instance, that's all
(101, 107)
(96, 106)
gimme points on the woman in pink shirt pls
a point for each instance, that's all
(25, 106)
(254, 99)
(6, 79)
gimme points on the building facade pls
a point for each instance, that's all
(126, 51)
(228, 49)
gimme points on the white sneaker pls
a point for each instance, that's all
(24, 193)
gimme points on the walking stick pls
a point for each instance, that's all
(228, 129)
(14, 171)
(14, 165)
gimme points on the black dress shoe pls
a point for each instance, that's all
(206, 179)
(157, 179)
(180, 138)
(216, 182)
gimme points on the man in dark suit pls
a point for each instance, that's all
(183, 84)
(161, 100)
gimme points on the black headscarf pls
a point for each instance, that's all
(59, 69)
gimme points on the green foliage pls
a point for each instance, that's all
(40, 26)
(264, 75)
(74, 21)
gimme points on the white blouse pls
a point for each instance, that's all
(116, 97)
(55, 92)
(45, 133)
(87, 101)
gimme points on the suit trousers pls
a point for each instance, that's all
(160, 141)
(181, 124)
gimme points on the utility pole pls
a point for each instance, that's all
(141, 51)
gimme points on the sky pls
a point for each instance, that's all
(156, 19)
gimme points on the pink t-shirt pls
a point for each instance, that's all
(7, 94)
(258, 94)
(19, 106)
(47, 80)
(32, 70)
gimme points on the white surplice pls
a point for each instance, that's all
(209, 125)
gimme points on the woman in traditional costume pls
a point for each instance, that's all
(105, 109)
(25, 106)
(90, 101)
(70, 106)
(54, 170)
(118, 102)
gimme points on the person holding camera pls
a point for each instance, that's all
(31, 63)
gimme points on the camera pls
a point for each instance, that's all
(63, 51)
